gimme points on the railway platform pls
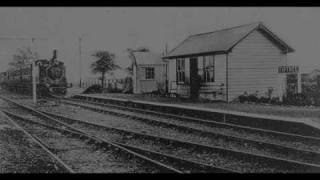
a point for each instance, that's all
(285, 119)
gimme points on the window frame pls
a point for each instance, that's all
(147, 71)
(207, 69)
(180, 70)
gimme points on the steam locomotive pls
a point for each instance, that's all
(50, 78)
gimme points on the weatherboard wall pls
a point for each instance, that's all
(253, 66)
(143, 85)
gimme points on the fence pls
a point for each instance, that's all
(108, 82)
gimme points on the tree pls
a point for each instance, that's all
(23, 56)
(142, 49)
(104, 64)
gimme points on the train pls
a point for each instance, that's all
(50, 78)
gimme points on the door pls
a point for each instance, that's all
(194, 78)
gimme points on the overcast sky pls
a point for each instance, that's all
(115, 29)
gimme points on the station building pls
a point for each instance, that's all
(149, 72)
(224, 64)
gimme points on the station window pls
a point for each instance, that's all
(208, 69)
(180, 70)
(149, 72)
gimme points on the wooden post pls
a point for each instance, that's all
(227, 79)
(80, 63)
(299, 82)
(34, 83)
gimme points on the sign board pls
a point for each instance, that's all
(288, 69)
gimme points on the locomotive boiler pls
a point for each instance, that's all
(50, 78)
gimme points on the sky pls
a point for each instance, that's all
(117, 28)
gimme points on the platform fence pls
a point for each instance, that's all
(107, 83)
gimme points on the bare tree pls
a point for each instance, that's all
(130, 52)
(104, 64)
(23, 56)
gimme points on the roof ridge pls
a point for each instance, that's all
(224, 29)
(201, 43)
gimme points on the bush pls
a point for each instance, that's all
(112, 89)
(275, 100)
(248, 98)
(299, 99)
(97, 88)
(252, 98)
(243, 98)
(255, 99)
(264, 100)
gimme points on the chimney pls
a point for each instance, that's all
(166, 49)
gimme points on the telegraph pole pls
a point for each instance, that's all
(166, 49)
(34, 83)
(35, 72)
(80, 64)
(166, 64)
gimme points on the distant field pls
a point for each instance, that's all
(286, 111)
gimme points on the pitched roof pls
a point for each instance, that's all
(221, 41)
(142, 58)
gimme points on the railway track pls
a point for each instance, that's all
(280, 165)
(180, 165)
(294, 141)
(51, 131)
(248, 162)
(57, 165)
(233, 142)
(239, 119)
(243, 162)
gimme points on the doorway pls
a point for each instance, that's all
(194, 78)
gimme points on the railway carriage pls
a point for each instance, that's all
(50, 77)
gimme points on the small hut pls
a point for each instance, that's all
(149, 72)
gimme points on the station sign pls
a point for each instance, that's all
(288, 69)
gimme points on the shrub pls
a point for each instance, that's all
(112, 88)
(252, 98)
(299, 99)
(161, 87)
(264, 100)
(97, 88)
(243, 98)
(275, 100)
(256, 99)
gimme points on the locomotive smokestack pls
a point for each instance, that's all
(55, 54)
